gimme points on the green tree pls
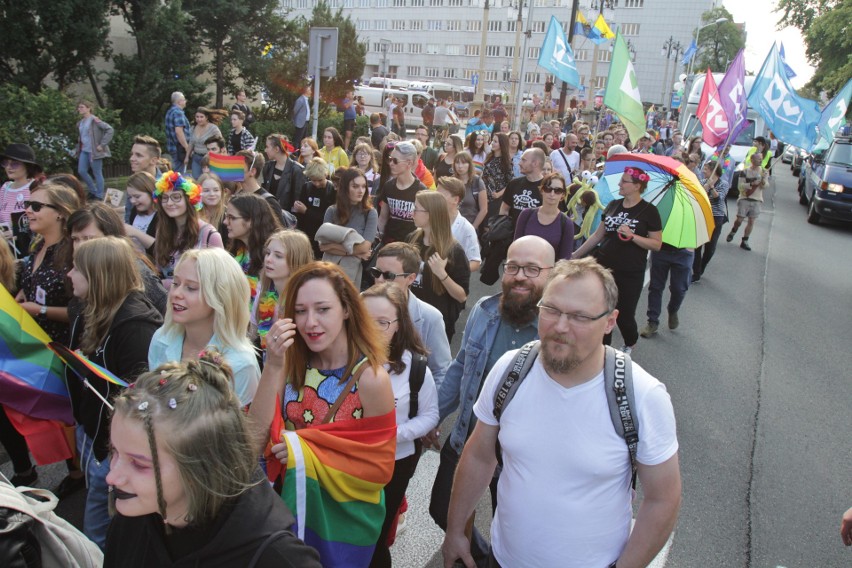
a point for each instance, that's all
(289, 73)
(719, 44)
(54, 39)
(801, 13)
(166, 60)
(236, 33)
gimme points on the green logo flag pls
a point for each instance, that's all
(622, 90)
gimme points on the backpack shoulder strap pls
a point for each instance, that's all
(515, 374)
(621, 399)
(416, 376)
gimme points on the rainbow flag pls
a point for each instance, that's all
(228, 168)
(334, 484)
(84, 368)
(31, 376)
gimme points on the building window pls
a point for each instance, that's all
(604, 56)
(415, 48)
(435, 25)
(532, 78)
(381, 25)
(474, 25)
(454, 49)
(413, 70)
(348, 3)
(399, 3)
(495, 26)
(380, 4)
(363, 3)
(449, 73)
(417, 3)
(454, 25)
(533, 52)
(397, 48)
(511, 25)
(397, 24)
(436, 4)
(432, 72)
(600, 82)
(509, 51)
(472, 50)
(491, 75)
(634, 3)
(455, 3)
(538, 27)
(362, 25)
(630, 29)
(302, 4)
(581, 55)
(433, 48)
(492, 50)
(415, 25)
(468, 73)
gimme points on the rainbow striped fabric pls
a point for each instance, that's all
(31, 376)
(82, 366)
(334, 484)
(228, 168)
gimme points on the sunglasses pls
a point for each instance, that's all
(394, 161)
(11, 164)
(386, 274)
(557, 190)
(37, 205)
(173, 196)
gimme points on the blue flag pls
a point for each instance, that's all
(792, 118)
(689, 53)
(556, 55)
(787, 69)
(833, 116)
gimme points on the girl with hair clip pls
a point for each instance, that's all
(206, 126)
(353, 210)
(185, 481)
(213, 199)
(285, 252)
(453, 144)
(325, 393)
(444, 279)
(179, 229)
(209, 306)
(630, 228)
(142, 227)
(388, 306)
(497, 173)
(474, 206)
(333, 151)
(475, 145)
(250, 221)
(114, 331)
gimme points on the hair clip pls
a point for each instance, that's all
(192, 387)
(172, 403)
(143, 406)
(132, 385)
(162, 382)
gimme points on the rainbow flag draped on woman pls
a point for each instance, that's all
(334, 483)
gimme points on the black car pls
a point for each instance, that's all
(825, 185)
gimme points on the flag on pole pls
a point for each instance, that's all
(787, 69)
(793, 119)
(601, 29)
(556, 55)
(832, 117)
(581, 24)
(622, 90)
(689, 53)
(732, 95)
(711, 114)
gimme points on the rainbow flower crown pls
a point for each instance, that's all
(171, 181)
(636, 173)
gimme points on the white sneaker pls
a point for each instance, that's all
(400, 525)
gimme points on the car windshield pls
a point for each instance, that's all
(840, 154)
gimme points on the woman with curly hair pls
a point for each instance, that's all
(179, 229)
(250, 221)
(497, 171)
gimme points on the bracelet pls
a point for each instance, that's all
(444, 278)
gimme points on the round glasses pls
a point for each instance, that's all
(384, 325)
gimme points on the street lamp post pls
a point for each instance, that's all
(527, 36)
(478, 96)
(518, 25)
(697, 35)
(600, 5)
(669, 46)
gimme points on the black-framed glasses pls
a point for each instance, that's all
(37, 205)
(173, 196)
(387, 274)
(530, 271)
(384, 325)
(549, 313)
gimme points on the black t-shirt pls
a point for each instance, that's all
(458, 269)
(378, 135)
(521, 194)
(400, 204)
(616, 254)
(236, 142)
(317, 200)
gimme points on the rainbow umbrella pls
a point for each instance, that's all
(683, 204)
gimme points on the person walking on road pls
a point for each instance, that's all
(751, 196)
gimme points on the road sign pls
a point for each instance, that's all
(474, 79)
(323, 51)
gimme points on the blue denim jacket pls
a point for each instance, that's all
(466, 373)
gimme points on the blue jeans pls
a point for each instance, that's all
(196, 165)
(96, 186)
(178, 156)
(96, 517)
(679, 264)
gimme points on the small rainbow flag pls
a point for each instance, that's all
(334, 484)
(228, 168)
(84, 368)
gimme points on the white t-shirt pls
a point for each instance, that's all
(564, 495)
(559, 164)
(465, 234)
(142, 222)
(427, 408)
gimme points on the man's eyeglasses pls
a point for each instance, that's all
(559, 190)
(549, 313)
(387, 274)
(173, 196)
(37, 205)
(384, 325)
(530, 271)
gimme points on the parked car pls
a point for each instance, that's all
(798, 160)
(789, 151)
(825, 185)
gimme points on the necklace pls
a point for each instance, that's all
(244, 260)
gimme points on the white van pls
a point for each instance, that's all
(412, 102)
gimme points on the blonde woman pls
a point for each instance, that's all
(209, 306)
(213, 199)
(114, 330)
(285, 252)
(445, 279)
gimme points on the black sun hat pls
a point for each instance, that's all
(21, 153)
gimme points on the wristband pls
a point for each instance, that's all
(43, 311)
(444, 278)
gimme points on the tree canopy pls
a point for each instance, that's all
(718, 44)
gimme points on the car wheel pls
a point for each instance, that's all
(796, 171)
(803, 199)
(813, 216)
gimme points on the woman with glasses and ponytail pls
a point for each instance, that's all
(185, 480)
(179, 227)
(547, 221)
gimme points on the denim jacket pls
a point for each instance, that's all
(463, 379)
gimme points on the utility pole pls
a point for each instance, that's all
(602, 4)
(478, 95)
(527, 36)
(669, 46)
(514, 77)
(563, 92)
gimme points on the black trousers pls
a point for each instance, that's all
(15, 444)
(704, 253)
(629, 285)
(403, 470)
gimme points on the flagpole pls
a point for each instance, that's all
(527, 34)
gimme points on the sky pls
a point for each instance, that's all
(761, 32)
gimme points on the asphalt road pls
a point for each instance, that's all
(757, 374)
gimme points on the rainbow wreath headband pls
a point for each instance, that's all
(171, 181)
